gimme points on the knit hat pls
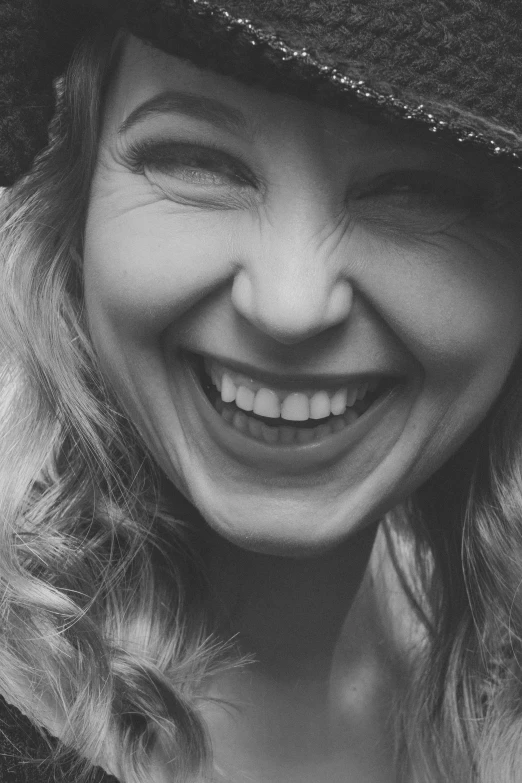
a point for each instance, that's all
(451, 67)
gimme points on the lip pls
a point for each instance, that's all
(277, 381)
(295, 458)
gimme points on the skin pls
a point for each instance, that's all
(307, 265)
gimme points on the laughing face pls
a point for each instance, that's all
(304, 315)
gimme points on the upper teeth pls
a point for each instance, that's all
(293, 406)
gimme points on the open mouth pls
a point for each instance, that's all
(288, 426)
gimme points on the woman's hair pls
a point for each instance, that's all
(101, 590)
(462, 716)
(102, 594)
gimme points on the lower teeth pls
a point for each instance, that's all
(286, 434)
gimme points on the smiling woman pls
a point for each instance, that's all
(260, 481)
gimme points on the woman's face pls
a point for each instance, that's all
(316, 262)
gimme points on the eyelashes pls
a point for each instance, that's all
(206, 175)
(190, 163)
(425, 186)
(415, 202)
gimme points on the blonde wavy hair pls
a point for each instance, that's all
(102, 593)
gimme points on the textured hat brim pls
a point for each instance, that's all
(454, 69)
(455, 72)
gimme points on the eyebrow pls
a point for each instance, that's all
(194, 106)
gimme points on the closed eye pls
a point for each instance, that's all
(192, 164)
(416, 202)
(413, 189)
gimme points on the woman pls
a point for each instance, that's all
(260, 376)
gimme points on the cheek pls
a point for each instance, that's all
(144, 268)
(456, 308)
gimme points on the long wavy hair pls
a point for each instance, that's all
(102, 592)
(102, 604)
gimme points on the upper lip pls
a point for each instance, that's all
(297, 381)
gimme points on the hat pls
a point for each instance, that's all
(450, 67)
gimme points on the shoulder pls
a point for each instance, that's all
(25, 753)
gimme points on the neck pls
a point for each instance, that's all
(288, 613)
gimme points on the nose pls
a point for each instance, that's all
(293, 285)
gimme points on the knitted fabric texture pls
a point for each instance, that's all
(36, 42)
(468, 53)
(461, 60)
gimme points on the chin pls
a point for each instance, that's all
(272, 525)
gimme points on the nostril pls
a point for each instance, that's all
(339, 303)
(242, 294)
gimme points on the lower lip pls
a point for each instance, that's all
(294, 458)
